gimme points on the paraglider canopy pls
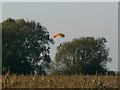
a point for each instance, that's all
(59, 34)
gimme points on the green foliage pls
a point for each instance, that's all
(85, 55)
(0, 48)
(24, 45)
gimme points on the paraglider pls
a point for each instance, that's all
(59, 34)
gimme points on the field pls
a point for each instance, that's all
(97, 81)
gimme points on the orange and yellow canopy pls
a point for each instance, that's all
(59, 34)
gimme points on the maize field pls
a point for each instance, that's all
(52, 81)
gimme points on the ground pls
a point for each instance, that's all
(97, 81)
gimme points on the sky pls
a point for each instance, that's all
(74, 19)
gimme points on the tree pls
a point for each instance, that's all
(0, 48)
(25, 46)
(85, 55)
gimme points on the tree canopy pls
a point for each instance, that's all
(86, 55)
(25, 46)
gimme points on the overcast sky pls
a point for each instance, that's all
(73, 19)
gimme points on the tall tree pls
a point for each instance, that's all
(25, 46)
(0, 48)
(85, 55)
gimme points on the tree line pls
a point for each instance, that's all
(26, 50)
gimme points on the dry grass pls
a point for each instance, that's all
(21, 81)
(0, 82)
